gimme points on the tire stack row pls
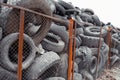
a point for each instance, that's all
(45, 51)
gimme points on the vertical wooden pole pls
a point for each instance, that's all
(70, 62)
(20, 44)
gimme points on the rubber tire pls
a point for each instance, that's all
(12, 25)
(115, 39)
(96, 20)
(79, 31)
(4, 48)
(85, 55)
(78, 42)
(66, 5)
(63, 66)
(114, 51)
(85, 17)
(77, 76)
(61, 32)
(42, 64)
(102, 58)
(91, 42)
(55, 78)
(76, 67)
(52, 5)
(53, 43)
(89, 11)
(6, 75)
(60, 10)
(93, 65)
(86, 75)
(1, 33)
(114, 59)
(95, 31)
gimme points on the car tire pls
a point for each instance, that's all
(8, 58)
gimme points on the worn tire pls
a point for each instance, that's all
(93, 65)
(7, 58)
(76, 67)
(96, 20)
(86, 75)
(6, 75)
(116, 39)
(85, 17)
(59, 9)
(88, 11)
(53, 43)
(63, 66)
(95, 31)
(84, 54)
(61, 32)
(77, 76)
(114, 59)
(1, 33)
(90, 41)
(65, 4)
(13, 19)
(41, 64)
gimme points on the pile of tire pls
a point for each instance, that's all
(46, 51)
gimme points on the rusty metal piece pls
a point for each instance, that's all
(74, 47)
(20, 45)
(50, 17)
(70, 61)
(109, 39)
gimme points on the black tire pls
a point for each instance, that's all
(13, 19)
(101, 57)
(93, 65)
(8, 55)
(89, 11)
(6, 75)
(51, 5)
(76, 67)
(85, 56)
(114, 59)
(77, 76)
(116, 39)
(78, 42)
(53, 43)
(85, 17)
(90, 41)
(63, 18)
(86, 75)
(78, 18)
(79, 31)
(95, 31)
(55, 78)
(42, 67)
(60, 10)
(96, 20)
(114, 51)
(61, 32)
(66, 5)
(63, 66)
(1, 33)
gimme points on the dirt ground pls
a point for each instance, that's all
(111, 74)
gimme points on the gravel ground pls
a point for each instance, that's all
(112, 74)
